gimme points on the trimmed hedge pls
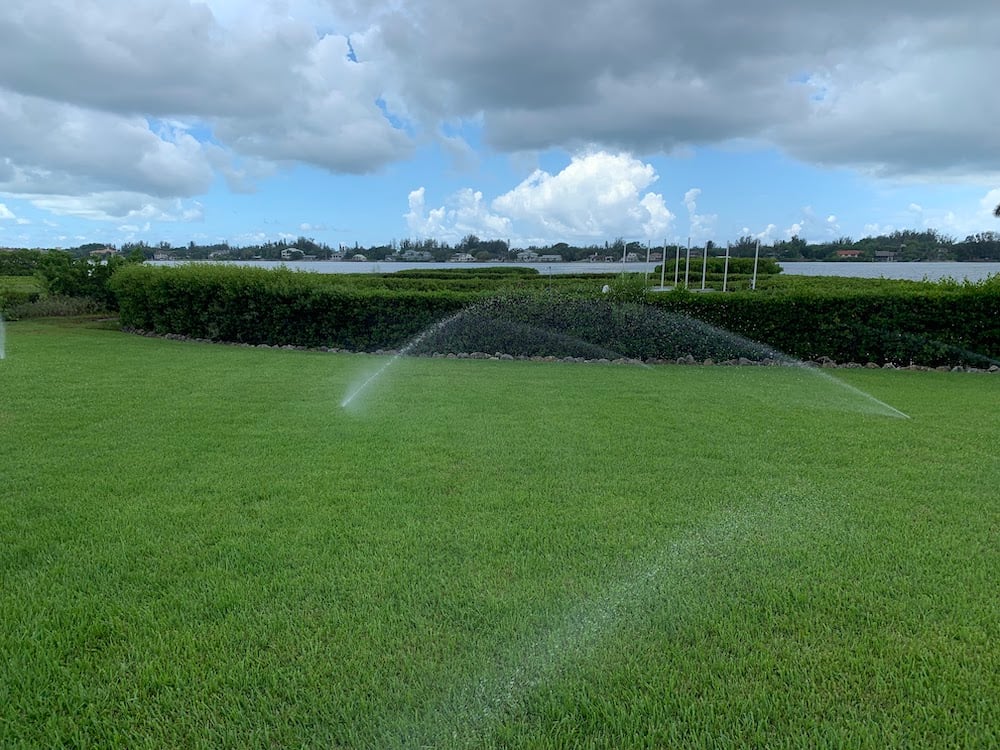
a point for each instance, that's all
(716, 265)
(920, 323)
(257, 306)
(923, 324)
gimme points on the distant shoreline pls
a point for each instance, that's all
(903, 270)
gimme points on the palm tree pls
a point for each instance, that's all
(996, 211)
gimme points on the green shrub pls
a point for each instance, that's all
(737, 266)
(880, 322)
(256, 306)
(920, 323)
(628, 288)
(52, 307)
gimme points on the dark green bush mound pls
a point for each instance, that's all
(476, 271)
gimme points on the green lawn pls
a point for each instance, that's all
(200, 548)
(19, 284)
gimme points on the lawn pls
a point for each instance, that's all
(199, 547)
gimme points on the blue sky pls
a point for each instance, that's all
(582, 121)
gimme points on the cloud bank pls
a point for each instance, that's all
(121, 105)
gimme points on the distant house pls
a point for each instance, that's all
(631, 258)
(555, 258)
(162, 255)
(886, 255)
(527, 256)
(461, 258)
(848, 253)
(104, 252)
(656, 257)
(416, 255)
(358, 257)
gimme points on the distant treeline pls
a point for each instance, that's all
(907, 245)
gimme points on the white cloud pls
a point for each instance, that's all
(700, 226)
(903, 95)
(465, 213)
(6, 213)
(118, 207)
(597, 195)
(158, 97)
(766, 235)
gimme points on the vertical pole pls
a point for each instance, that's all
(647, 265)
(687, 264)
(677, 264)
(704, 267)
(663, 264)
(725, 273)
(756, 254)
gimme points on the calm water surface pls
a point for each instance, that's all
(909, 271)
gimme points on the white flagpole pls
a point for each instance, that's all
(687, 264)
(725, 273)
(756, 254)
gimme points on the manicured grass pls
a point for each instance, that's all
(20, 284)
(200, 548)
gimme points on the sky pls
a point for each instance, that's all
(580, 121)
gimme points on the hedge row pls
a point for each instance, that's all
(929, 325)
(923, 324)
(257, 306)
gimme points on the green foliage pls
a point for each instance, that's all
(861, 320)
(65, 275)
(52, 306)
(19, 262)
(16, 291)
(486, 272)
(628, 288)
(882, 322)
(256, 306)
(717, 267)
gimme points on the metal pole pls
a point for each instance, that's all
(687, 264)
(704, 267)
(725, 273)
(677, 264)
(663, 264)
(756, 254)
(647, 265)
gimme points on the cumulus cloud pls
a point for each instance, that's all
(6, 214)
(465, 213)
(159, 96)
(900, 89)
(56, 148)
(597, 195)
(700, 226)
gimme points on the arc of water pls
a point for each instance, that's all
(410, 345)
